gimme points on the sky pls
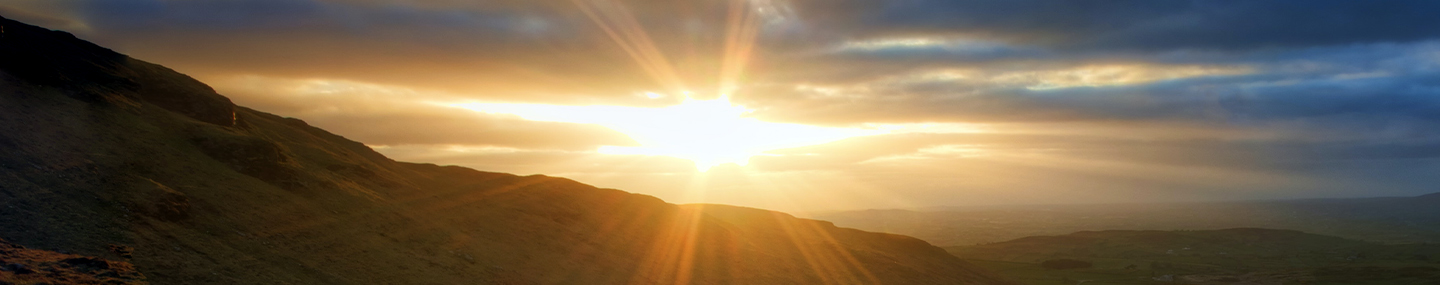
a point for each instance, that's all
(810, 105)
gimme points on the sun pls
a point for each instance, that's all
(708, 132)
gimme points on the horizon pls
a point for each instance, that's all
(1141, 203)
(806, 107)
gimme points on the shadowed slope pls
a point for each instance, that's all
(103, 149)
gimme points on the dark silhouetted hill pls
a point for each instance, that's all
(102, 150)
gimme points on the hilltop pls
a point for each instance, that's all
(104, 150)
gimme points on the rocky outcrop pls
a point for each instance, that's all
(19, 265)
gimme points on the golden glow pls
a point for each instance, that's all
(743, 26)
(708, 132)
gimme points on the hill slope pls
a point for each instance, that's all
(101, 149)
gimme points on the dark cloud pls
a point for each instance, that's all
(1147, 25)
(1356, 90)
(517, 51)
(535, 51)
(498, 53)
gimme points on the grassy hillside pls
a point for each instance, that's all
(102, 150)
(1246, 256)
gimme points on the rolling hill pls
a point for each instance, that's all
(102, 150)
(1385, 220)
(1250, 242)
(1227, 256)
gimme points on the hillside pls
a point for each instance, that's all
(1228, 256)
(104, 150)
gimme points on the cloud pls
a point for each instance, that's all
(530, 51)
(1140, 24)
(1354, 87)
(538, 161)
(526, 52)
(384, 115)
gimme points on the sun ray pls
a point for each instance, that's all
(831, 256)
(740, 35)
(622, 28)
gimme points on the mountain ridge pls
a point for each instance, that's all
(1412, 219)
(103, 149)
